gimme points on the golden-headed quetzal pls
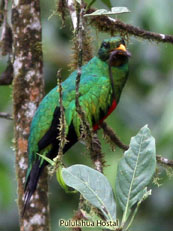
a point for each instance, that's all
(97, 97)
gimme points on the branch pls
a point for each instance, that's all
(97, 155)
(72, 11)
(164, 161)
(6, 77)
(107, 24)
(92, 141)
(5, 115)
(91, 138)
(62, 137)
(62, 10)
(6, 34)
(6, 44)
(2, 6)
(113, 137)
(28, 90)
(62, 126)
(78, 214)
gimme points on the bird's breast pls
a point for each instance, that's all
(110, 110)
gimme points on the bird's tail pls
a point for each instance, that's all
(31, 183)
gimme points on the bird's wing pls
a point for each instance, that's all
(94, 99)
(42, 121)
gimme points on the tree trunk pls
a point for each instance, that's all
(27, 93)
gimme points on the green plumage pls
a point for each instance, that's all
(95, 93)
(95, 97)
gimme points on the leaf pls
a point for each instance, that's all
(145, 196)
(61, 180)
(107, 3)
(114, 10)
(93, 186)
(79, 1)
(135, 170)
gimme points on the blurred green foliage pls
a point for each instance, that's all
(146, 99)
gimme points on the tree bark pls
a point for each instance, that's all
(27, 93)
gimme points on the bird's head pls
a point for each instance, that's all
(114, 51)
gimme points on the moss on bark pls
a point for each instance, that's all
(27, 92)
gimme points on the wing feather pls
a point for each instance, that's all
(93, 98)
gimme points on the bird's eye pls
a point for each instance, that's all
(123, 42)
(105, 45)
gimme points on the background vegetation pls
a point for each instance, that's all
(146, 99)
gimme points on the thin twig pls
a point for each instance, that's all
(62, 136)
(79, 71)
(79, 109)
(5, 115)
(107, 24)
(97, 155)
(62, 126)
(62, 10)
(91, 138)
(62, 118)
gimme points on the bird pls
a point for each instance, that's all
(98, 97)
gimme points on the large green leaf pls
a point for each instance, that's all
(113, 11)
(135, 170)
(93, 186)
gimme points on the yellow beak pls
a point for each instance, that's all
(121, 47)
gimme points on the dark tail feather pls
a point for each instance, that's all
(31, 183)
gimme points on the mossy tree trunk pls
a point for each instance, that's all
(27, 93)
